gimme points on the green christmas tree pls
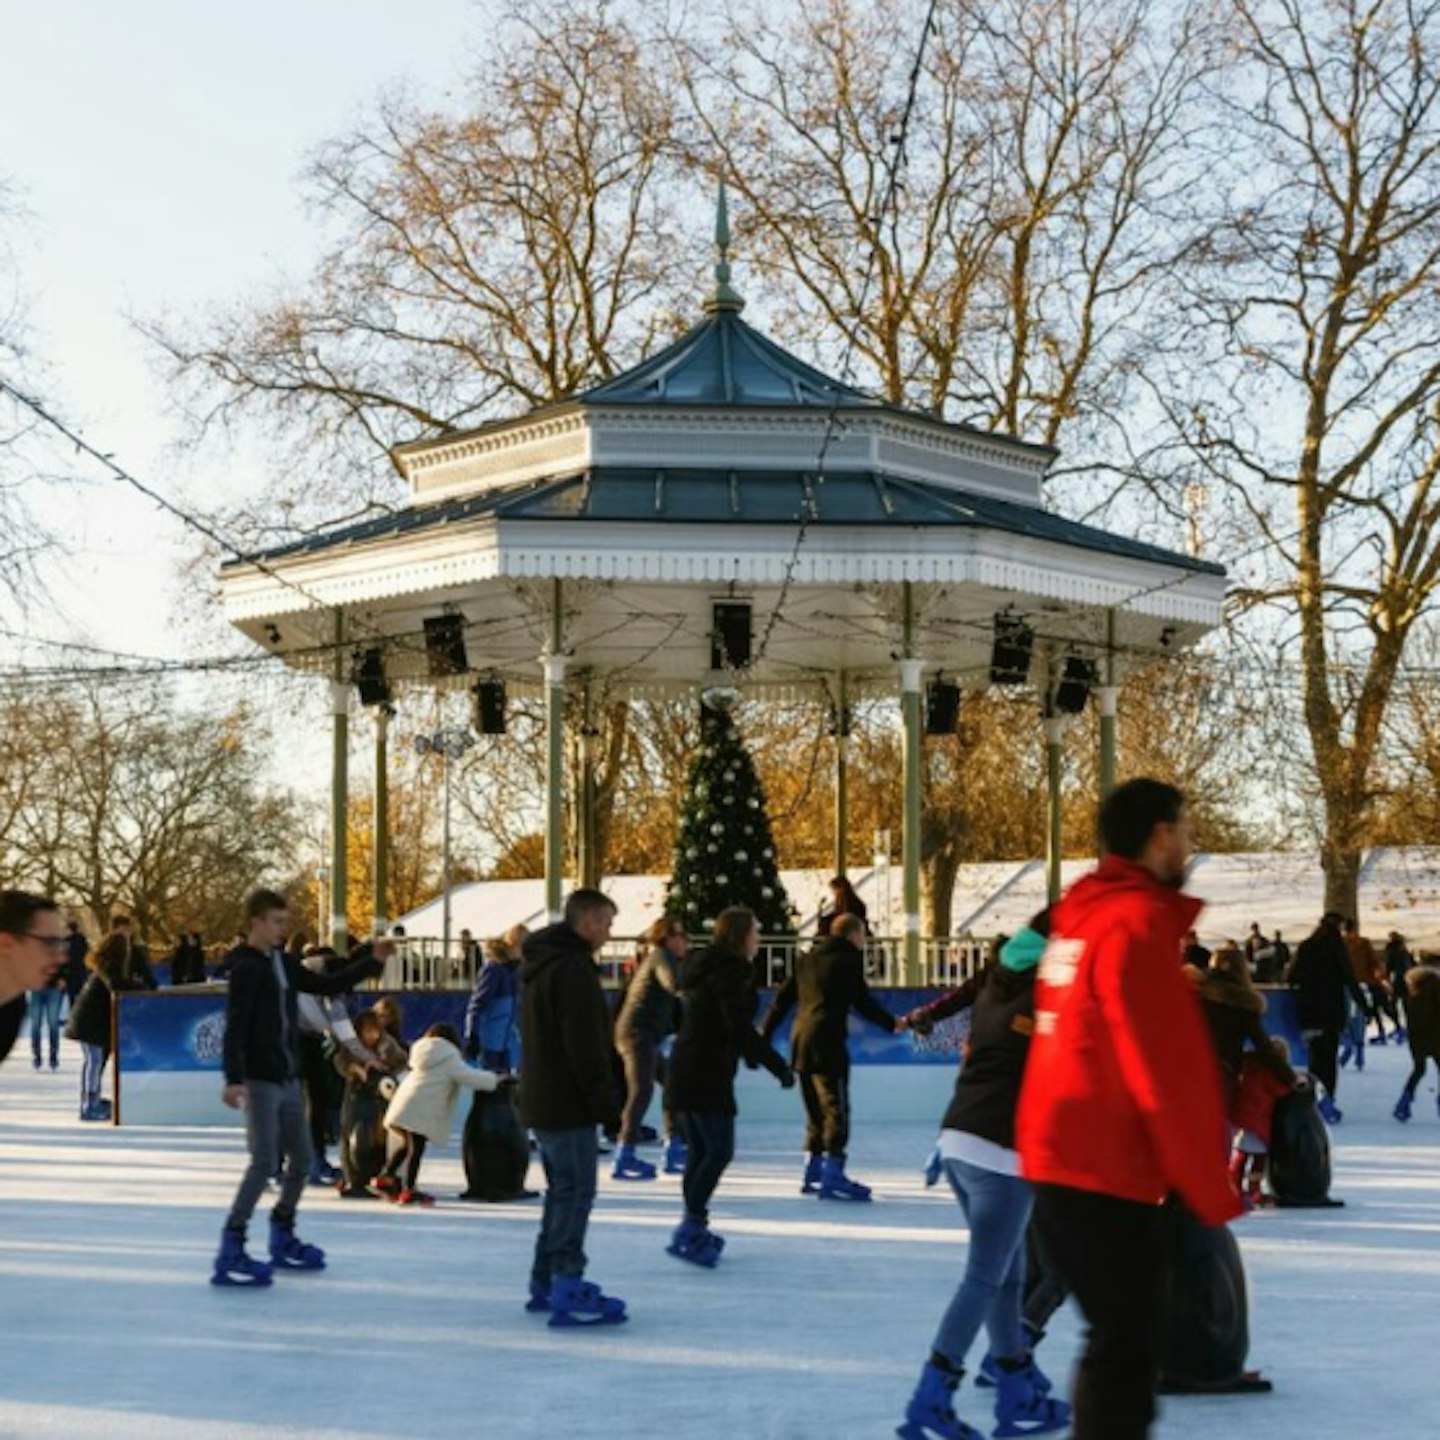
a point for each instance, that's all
(725, 854)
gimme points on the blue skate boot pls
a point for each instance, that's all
(1021, 1407)
(539, 1301)
(629, 1166)
(835, 1184)
(675, 1153)
(289, 1252)
(930, 1415)
(810, 1181)
(1330, 1111)
(234, 1267)
(694, 1241)
(1402, 1107)
(987, 1377)
(575, 1302)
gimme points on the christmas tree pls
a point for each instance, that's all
(725, 854)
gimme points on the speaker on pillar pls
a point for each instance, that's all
(1010, 653)
(730, 635)
(489, 716)
(445, 645)
(368, 677)
(942, 707)
(1076, 683)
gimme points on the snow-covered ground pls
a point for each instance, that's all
(814, 1325)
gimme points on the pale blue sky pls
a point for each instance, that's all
(157, 145)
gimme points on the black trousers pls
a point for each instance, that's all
(827, 1113)
(315, 1077)
(1114, 1256)
(709, 1149)
(1321, 1049)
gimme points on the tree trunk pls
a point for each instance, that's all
(1340, 860)
(937, 889)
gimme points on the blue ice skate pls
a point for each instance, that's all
(930, 1415)
(576, 1302)
(810, 1181)
(539, 1301)
(234, 1267)
(835, 1184)
(988, 1375)
(1330, 1111)
(289, 1252)
(1022, 1408)
(694, 1241)
(1402, 1108)
(675, 1153)
(629, 1166)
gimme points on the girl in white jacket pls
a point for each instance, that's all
(423, 1109)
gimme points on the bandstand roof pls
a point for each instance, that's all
(721, 468)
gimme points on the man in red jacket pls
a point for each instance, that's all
(1121, 1105)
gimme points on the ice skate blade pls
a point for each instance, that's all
(705, 1259)
(240, 1282)
(567, 1320)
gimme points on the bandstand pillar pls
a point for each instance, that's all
(553, 662)
(1107, 699)
(1054, 811)
(381, 860)
(339, 791)
(842, 774)
(911, 671)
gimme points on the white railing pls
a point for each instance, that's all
(420, 962)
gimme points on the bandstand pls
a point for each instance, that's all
(723, 513)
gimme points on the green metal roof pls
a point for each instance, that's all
(743, 497)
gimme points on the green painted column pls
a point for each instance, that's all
(1054, 812)
(339, 790)
(842, 774)
(911, 672)
(587, 848)
(554, 665)
(382, 819)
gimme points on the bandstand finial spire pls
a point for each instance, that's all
(726, 297)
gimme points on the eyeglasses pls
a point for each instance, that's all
(51, 942)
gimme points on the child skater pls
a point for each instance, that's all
(423, 1109)
(715, 1032)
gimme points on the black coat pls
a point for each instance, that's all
(1233, 1011)
(567, 1080)
(255, 1047)
(1321, 976)
(90, 1015)
(718, 1003)
(829, 982)
(12, 1016)
(987, 1089)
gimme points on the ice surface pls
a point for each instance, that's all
(814, 1325)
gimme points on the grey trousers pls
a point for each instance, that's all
(275, 1125)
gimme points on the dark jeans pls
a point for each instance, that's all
(827, 1113)
(709, 1148)
(641, 1059)
(1321, 1049)
(274, 1127)
(569, 1158)
(1114, 1256)
(45, 1018)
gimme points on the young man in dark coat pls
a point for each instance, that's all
(567, 1089)
(262, 1077)
(829, 982)
(1321, 977)
(32, 945)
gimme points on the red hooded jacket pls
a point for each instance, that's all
(1122, 1093)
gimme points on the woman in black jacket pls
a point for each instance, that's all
(979, 1159)
(715, 1034)
(90, 1018)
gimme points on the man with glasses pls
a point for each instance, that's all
(32, 944)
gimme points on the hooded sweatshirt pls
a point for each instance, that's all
(567, 1081)
(1122, 1092)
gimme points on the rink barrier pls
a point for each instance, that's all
(169, 1045)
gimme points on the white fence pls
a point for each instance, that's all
(421, 962)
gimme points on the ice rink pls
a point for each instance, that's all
(814, 1325)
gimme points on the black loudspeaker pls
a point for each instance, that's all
(1010, 654)
(1075, 685)
(445, 645)
(489, 707)
(369, 678)
(730, 635)
(942, 707)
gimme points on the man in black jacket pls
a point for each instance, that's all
(1321, 977)
(829, 982)
(262, 1077)
(567, 1089)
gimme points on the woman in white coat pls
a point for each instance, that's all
(423, 1109)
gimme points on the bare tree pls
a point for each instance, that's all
(1310, 396)
(487, 259)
